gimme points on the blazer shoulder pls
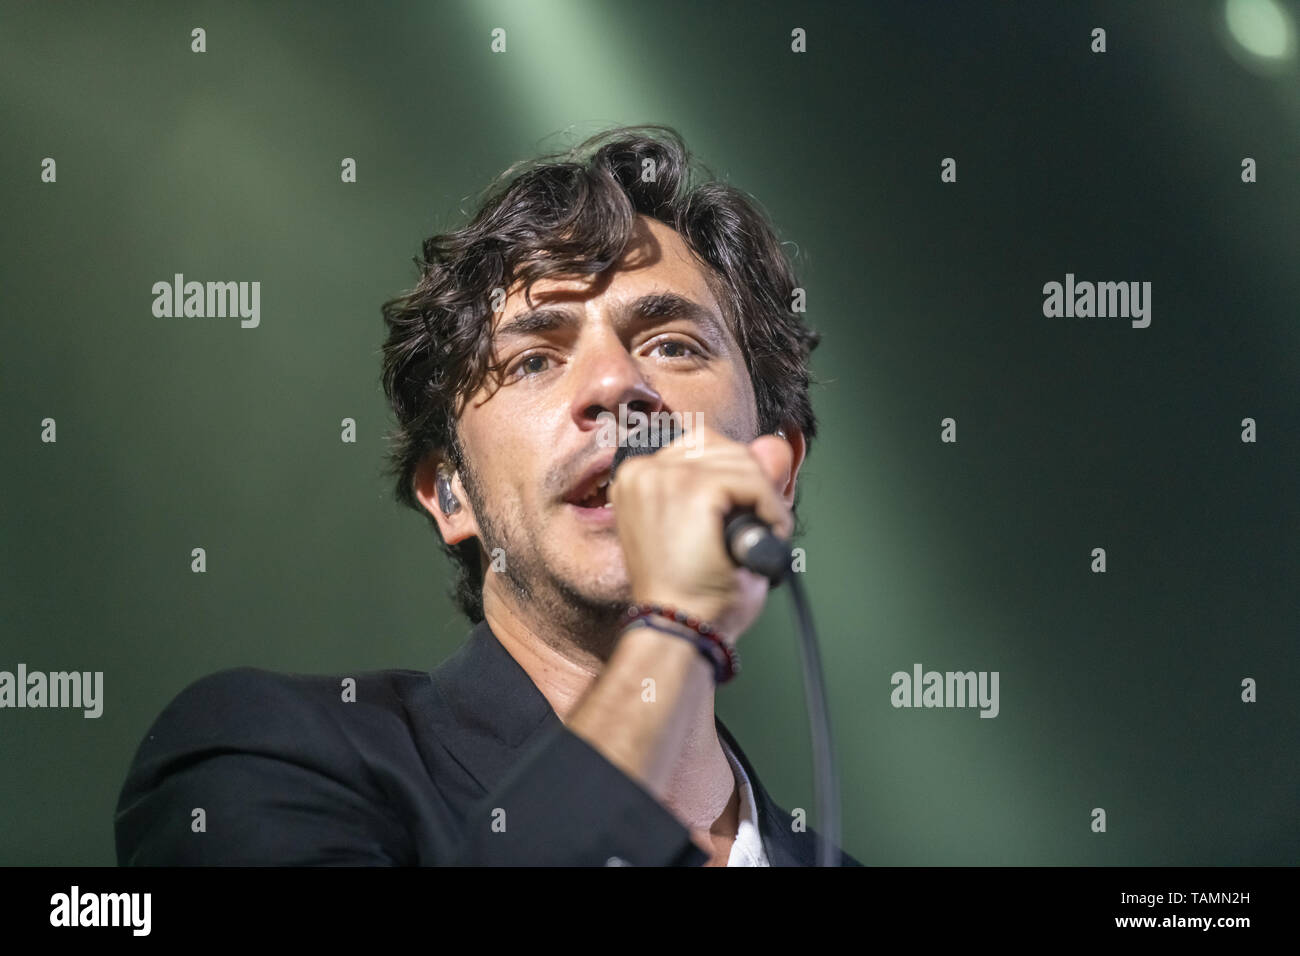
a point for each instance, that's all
(256, 687)
(250, 707)
(268, 752)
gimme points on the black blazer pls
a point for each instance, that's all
(422, 768)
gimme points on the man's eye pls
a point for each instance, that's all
(677, 348)
(533, 364)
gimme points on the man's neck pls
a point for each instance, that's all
(702, 791)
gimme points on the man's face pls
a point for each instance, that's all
(648, 334)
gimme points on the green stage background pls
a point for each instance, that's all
(1119, 690)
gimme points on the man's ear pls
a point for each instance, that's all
(794, 437)
(438, 487)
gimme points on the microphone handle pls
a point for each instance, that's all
(750, 541)
(752, 545)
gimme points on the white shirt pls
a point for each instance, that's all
(747, 849)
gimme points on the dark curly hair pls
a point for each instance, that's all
(573, 213)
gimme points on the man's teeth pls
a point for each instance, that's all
(593, 500)
(597, 493)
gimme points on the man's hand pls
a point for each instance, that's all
(669, 509)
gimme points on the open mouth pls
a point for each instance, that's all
(590, 493)
(597, 496)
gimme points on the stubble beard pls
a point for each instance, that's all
(559, 610)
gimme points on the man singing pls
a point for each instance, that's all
(576, 724)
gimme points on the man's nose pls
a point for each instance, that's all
(609, 377)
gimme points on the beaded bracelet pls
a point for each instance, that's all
(725, 660)
(723, 668)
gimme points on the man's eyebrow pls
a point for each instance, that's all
(533, 321)
(645, 308)
(670, 305)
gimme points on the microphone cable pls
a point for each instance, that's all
(825, 777)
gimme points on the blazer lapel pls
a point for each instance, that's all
(486, 709)
(782, 845)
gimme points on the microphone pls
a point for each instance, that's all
(749, 539)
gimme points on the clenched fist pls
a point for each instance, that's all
(669, 509)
